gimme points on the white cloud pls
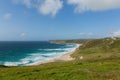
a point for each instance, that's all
(94, 5)
(25, 2)
(8, 16)
(81, 33)
(86, 34)
(45, 7)
(23, 34)
(115, 33)
(90, 34)
(50, 7)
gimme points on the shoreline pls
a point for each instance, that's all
(62, 58)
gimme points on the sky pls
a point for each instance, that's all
(37, 20)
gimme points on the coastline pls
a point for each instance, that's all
(62, 58)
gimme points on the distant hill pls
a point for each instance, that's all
(71, 41)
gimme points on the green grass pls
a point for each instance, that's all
(101, 61)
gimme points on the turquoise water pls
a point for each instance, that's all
(21, 53)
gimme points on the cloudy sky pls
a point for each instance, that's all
(58, 19)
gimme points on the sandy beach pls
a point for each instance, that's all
(62, 58)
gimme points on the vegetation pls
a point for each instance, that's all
(71, 41)
(100, 61)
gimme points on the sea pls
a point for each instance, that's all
(25, 53)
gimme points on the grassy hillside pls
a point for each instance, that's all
(71, 41)
(100, 61)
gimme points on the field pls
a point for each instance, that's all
(97, 59)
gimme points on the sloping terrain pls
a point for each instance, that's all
(97, 59)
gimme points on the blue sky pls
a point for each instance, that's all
(58, 19)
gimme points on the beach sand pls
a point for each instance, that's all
(62, 58)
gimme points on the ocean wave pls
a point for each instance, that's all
(11, 63)
(39, 56)
(67, 46)
(57, 49)
(16, 63)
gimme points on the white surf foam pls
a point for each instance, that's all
(39, 57)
